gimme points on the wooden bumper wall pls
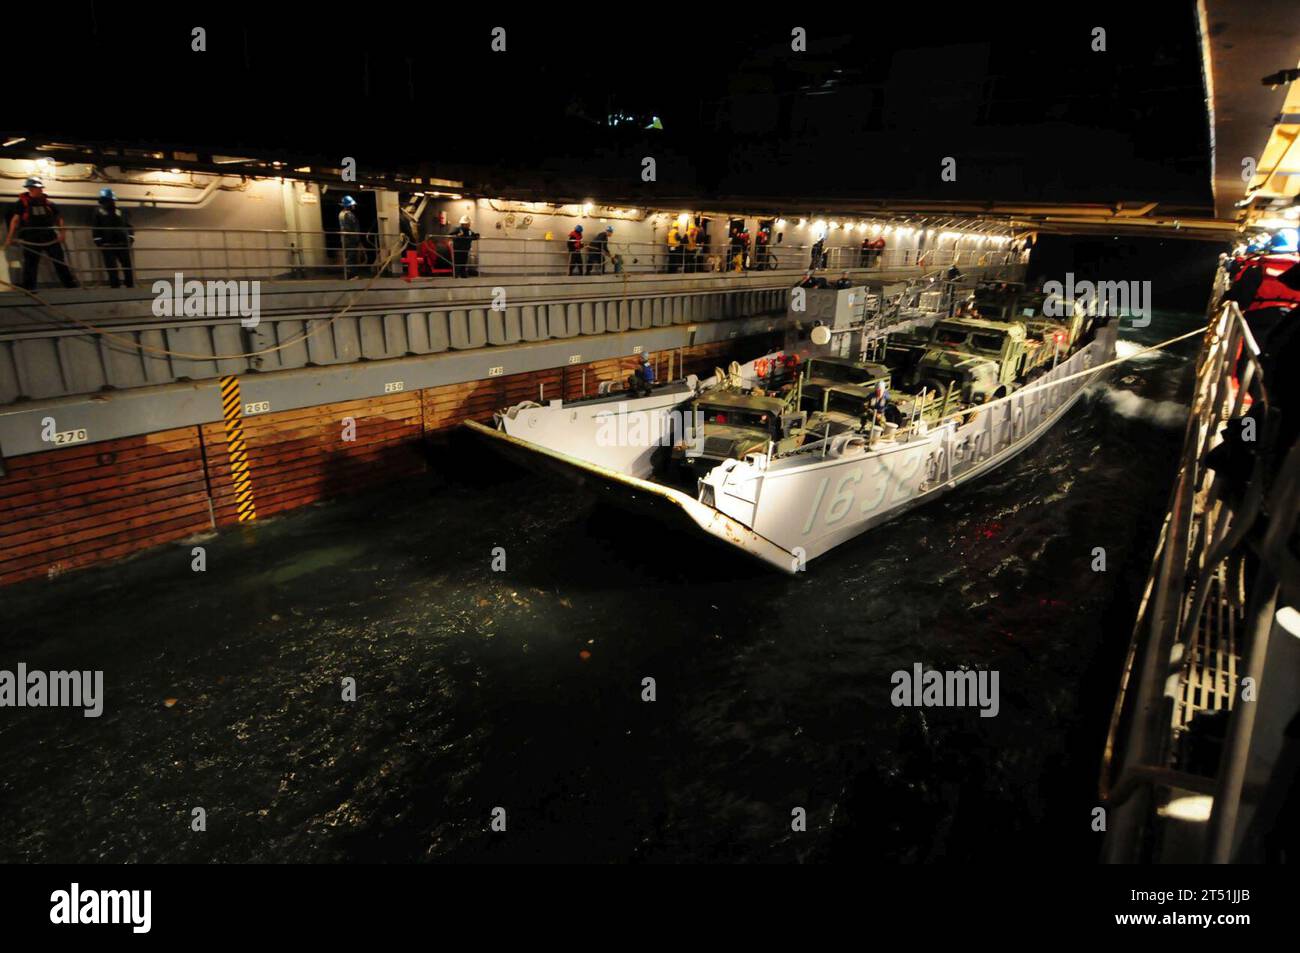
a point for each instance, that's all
(85, 504)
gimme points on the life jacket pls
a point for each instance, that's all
(1273, 292)
(575, 241)
(36, 214)
(674, 237)
(648, 372)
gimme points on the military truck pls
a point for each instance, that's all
(1012, 301)
(840, 383)
(998, 300)
(981, 360)
(730, 424)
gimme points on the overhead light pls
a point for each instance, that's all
(1289, 619)
(14, 141)
(1191, 807)
(587, 207)
(780, 223)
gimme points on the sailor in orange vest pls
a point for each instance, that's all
(1260, 283)
(760, 249)
(574, 242)
(1267, 288)
(39, 228)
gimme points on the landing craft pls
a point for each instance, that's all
(786, 485)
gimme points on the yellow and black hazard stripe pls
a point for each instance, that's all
(232, 409)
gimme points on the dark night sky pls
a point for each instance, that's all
(1015, 94)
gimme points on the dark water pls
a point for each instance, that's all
(473, 691)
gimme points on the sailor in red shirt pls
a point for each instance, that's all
(575, 250)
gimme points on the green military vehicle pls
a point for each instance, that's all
(1012, 301)
(980, 360)
(730, 424)
(840, 384)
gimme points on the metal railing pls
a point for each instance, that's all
(1205, 618)
(150, 253)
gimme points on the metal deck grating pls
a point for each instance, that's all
(1207, 681)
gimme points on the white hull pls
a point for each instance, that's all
(584, 429)
(793, 509)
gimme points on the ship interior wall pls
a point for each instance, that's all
(77, 506)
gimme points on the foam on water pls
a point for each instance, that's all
(1161, 413)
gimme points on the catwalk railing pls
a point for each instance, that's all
(241, 253)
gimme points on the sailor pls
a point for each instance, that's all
(674, 248)
(734, 248)
(461, 240)
(642, 377)
(877, 250)
(1268, 288)
(598, 251)
(808, 280)
(354, 255)
(37, 224)
(113, 235)
(693, 247)
(954, 273)
(844, 281)
(878, 407)
(574, 242)
(818, 254)
(865, 253)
